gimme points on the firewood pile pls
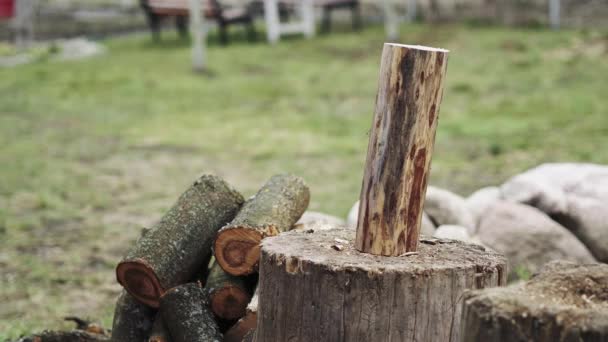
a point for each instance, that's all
(192, 277)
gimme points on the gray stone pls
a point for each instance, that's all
(452, 232)
(445, 207)
(310, 218)
(575, 195)
(479, 201)
(528, 237)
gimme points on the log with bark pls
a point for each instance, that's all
(401, 140)
(245, 325)
(85, 331)
(228, 294)
(564, 302)
(176, 248)
(132, 319)
(159, 331)
(318, 287)
(274, 209)
(66, 336)
(185, 311)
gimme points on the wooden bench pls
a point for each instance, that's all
(156, 10)
(329, 5)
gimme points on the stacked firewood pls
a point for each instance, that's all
(192, 277)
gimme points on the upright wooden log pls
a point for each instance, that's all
(175, 249)
(564, 302)
(132, 319)
(187, 316)
(245, 325)
(275, 208)
(401, 142)
(318, 287)
(228, 294)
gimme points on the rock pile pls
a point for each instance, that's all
(554, 211)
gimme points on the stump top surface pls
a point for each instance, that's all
(576, 293)
(335, 249)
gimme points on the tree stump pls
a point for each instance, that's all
(318, 287)
(564, 302)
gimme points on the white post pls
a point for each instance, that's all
(554, 13)
(308, 17)
(271, 15)
(198, 33)
(23, 23)
(411, 10)
(391, 21)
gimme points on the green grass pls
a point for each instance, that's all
(93, 150)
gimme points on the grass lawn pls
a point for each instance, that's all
(93, 150)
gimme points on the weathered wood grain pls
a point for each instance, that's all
(312, 291)
(401, 140)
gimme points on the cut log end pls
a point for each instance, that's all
(238, 249)
(229, 302)
(138, 278)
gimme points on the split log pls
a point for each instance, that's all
(246, 325)
(564, 302)
(86, 326)
(401, 142)
(228, 294)
(177, 247)
(185, 311)
(66, 336)
(132, 319)
(319, 287)
(159, 331)
(275, 208)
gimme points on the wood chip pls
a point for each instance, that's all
(337, 247)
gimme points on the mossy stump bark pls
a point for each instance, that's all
(401, 140)
(564, 302)
(132, 319)
(318, 287)
(246, 325)
(185, 311)
(175, 249)
(228, 294)
(275, 208)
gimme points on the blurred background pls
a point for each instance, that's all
(103, 122)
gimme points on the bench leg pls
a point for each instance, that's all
(356, 13)
(154, 24)
(326, 21)
(251, 34)
(223, 32)
(181, 24)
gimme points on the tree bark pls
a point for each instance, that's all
(401, 142)
(311, 290)
(564, 302)
(185, 311)
(274, 209)
(159, 331)
(228, 294)
(132, 320)
(245, 325)
(174, 250)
